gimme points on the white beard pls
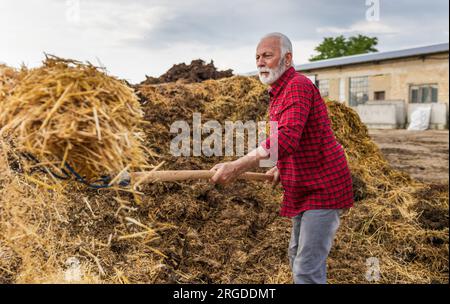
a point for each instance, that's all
(274, 74)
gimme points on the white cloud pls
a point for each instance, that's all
(118, 22)
(28, 29)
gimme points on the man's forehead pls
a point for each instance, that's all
(268, 44)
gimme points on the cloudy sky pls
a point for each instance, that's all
(137, 37)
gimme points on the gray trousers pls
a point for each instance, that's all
(312, 235)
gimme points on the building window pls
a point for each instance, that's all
(324, 87)
(380, 95)
(423, 93)
(359, 90)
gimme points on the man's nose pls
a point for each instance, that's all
(260, 63)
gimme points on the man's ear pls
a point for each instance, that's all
(288, 59)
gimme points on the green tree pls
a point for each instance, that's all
(333, 47)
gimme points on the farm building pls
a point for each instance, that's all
(385, 87)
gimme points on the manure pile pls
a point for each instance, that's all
(53, 231)
(196, 71)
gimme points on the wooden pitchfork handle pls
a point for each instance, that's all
(182, 175)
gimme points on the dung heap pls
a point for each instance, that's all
(234, 235)
(196, 71)
(69, 113)
(198, 232)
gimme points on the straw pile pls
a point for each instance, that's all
(58, 231)
(8, 79)
(393, 222)
(66, 112)
(67, 233)
(198, 232)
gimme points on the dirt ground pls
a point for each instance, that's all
(422, 154)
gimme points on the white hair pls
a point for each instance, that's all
(285, 43)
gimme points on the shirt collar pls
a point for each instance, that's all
(281, 82)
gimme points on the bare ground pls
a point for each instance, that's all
(422, 154)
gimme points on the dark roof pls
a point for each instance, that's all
(348, 60)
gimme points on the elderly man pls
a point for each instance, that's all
(311, 164)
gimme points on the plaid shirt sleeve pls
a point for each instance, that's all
(292, 115)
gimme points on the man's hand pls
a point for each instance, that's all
(229, 171)
(276, 176)
(225, 173)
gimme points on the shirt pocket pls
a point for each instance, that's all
(275, 113)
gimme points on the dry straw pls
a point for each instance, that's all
(8, 79)
(67, 112)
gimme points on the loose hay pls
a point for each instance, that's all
(72, 235)
(66, 112)
(8, 79)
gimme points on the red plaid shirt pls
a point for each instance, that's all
(313, 168)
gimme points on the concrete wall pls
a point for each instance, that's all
(378, 116)
(394, 115)
(383, 115)
(439, 114)
(400, 110)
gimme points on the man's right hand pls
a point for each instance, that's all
(276, 176)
